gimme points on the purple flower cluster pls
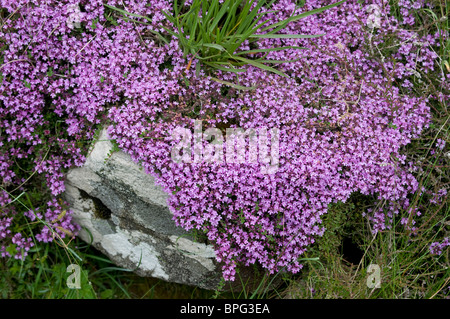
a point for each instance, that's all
(12, 244)
(437, 248)
(341, 114)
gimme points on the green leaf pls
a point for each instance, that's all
(392, 125)
(280, 25)
(94, 24)
(125, 13)
(219, 67)
(212, 11)
(99, 258)
(249, 18)
(111, 19)
(219, 16)
(278, 61)
(11, 249)
(285, 36)
(176, 35)
(73, 253)
(214, 46)
(270, 50)
(209, 57)
(260, 65)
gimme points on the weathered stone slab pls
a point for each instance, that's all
(125, 215)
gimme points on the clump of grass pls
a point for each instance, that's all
(407, 269)
(212, 32)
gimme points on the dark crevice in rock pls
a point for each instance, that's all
(100, 209)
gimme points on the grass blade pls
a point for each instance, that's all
(127, 13)
(270, 50)
(219, 16)
(286, 36)
(214, 46)
(278, 61)
(231, 69)
(280, 25)
(260, 65)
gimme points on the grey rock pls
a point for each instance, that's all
(124, 215)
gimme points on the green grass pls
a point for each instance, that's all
(43, 275)
(407, 268)
(212, 32)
